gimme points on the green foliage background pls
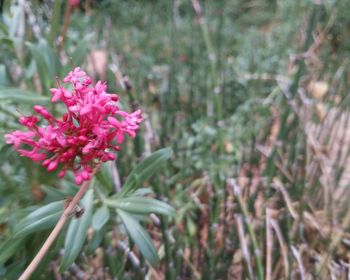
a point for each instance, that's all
(259, 158)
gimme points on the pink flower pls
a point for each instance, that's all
(74, 3)
(88, 133)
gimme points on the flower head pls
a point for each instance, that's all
(88, 133)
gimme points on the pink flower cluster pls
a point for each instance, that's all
(87, 134)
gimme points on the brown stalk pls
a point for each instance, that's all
(299, 260)
(269, 245)
(284, 247)
(244, 245)
(55, 232)
(66, 22)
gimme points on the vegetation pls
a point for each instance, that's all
(245, 107)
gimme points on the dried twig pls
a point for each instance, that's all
(269, 245)
(300, 262)
(244, 245)
(284, 248)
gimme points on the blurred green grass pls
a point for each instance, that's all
(259, 158)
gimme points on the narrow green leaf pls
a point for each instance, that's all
(141, 205)
(13, 270)
(76, 233)
(141, 238)
(95, 241)
(43, 218)
(9, 248)
(144, 170)
(105, 179)
(54, 193)
(41, 66)
(100, 218)
(53, 62)
(6, 41)
(143, 192)
(16, 95)
(3, 29)
(80, 52)
(4, 80)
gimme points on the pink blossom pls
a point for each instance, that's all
(74, 3)
(29, 122)
(88, 133)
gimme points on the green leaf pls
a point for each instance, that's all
(43, 218)
(21, 96)
(144, 170)
(143, 192)
(105, 178)
(76, 233)
(141, 238)
(79, 55)
(141, 205)
(4, 81)
(9, 248)
(80, 52)
(100, 218)
(95, 241)
(53, 193)
(13, 270)
(41, 65)
(6, 41)
(3, 29)
(47, 63)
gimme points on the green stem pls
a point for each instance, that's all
(56, 12)
(212, 57)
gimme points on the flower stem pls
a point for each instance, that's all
(55, 232)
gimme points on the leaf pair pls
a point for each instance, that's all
(127, 203)
(43, 218)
